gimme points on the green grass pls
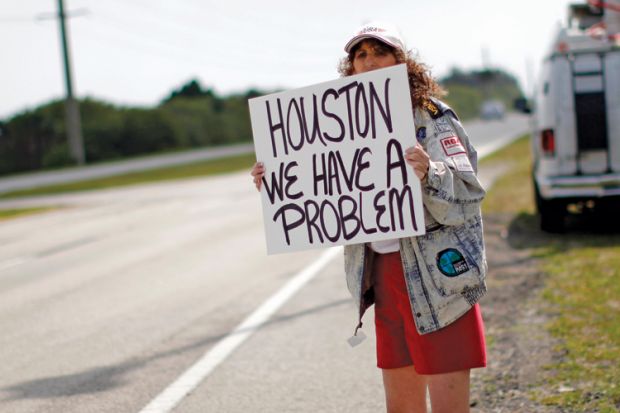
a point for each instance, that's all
(583, 288)
(6, 214)
(581, 293)
(211, 167)
(513, 191)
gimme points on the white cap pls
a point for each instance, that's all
(381, 31)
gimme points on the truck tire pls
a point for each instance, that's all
(606, 213)
(552, 213)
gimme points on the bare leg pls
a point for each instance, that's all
(449, 392)
(405, 390)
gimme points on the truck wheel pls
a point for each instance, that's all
(606, 213)
(552, 213)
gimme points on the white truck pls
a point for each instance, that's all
(576, 117)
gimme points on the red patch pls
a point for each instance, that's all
(452, 146)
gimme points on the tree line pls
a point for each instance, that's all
(190, 117)
(467, 91)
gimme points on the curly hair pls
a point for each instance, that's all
(422, 86)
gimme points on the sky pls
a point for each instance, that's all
(134, 52)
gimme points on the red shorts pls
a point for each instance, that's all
(458, 346)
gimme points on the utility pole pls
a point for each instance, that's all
(72, 109)
(486, 58)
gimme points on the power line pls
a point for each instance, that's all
(158, 40)
(189, 37)
(16, 19)
(196, 27)
(141, 43)
(42, 16)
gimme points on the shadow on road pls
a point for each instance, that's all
(100, 379)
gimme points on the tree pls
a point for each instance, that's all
(467, 90)
(191, 89)
(190, 117)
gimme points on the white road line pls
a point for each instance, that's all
(489, 148)
(12, 262)
(193, 376)
(172, 395)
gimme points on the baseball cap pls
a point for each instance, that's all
(385, 32)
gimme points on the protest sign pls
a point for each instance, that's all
(335, 171)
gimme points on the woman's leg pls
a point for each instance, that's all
(449, 392)
(405, 390)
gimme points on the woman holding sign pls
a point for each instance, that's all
(426, 288)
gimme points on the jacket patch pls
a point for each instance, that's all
(451, 262)
(452, 146)
(454, 149)
(421, 134)
(461, 163)
(432, 109)
(443, 125)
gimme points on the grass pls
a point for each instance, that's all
(583, 288)
(582, 294)
(512, 192)
(206, 168)
(6, 214)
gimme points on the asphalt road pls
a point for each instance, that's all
(75, 174)
(106, 302)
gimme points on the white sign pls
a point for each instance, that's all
(335, 171)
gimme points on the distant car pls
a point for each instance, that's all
(492, 109)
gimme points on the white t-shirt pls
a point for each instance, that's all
(385, 247)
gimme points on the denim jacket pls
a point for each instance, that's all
(445, 268)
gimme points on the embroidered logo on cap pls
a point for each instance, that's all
(451, 262)
(371, 29)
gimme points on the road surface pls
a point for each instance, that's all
(108, 301)
(75, 174)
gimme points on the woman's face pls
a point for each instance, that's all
(372, 55)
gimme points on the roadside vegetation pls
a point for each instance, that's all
(468, 90)
(6, 214)
(581, 293)
(512, 192)
(191, 116)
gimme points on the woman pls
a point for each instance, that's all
(426, 288)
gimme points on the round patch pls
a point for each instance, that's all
(421, 133)
(451, 262)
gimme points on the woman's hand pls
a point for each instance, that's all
(419, 160)
(257, 173)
